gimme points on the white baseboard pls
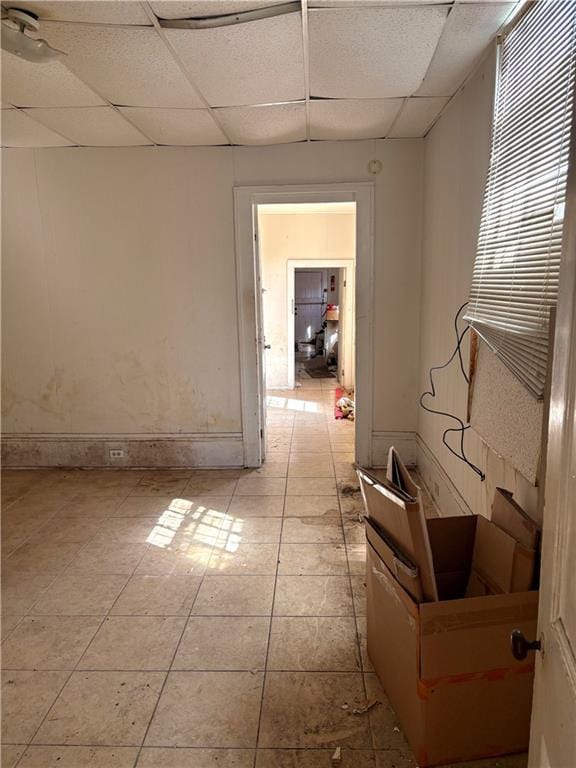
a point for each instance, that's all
(447, 497)
(404, 442)
(140, 451)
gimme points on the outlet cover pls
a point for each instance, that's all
(116, 453)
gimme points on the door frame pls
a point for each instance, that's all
(293, 265)
(253, 398)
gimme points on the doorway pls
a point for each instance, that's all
(263, 318)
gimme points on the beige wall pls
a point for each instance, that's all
(119, 314)
(295, 236)
(457, 152)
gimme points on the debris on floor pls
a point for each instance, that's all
(344, 405)
(367, 708)
(337, 755)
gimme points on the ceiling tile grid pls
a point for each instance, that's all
(90, 126)
(257, 62)
(374, 69)
(178, 127)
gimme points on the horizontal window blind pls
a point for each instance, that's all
(515, 278)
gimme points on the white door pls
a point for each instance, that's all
(553, 734)
(309, 301)
(261, 343)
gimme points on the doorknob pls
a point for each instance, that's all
(267, 346)
(520, 646)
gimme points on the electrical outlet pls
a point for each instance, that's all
(116, 453)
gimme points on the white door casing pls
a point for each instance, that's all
(553, 731)
(250, 345)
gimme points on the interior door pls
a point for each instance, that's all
(553, 735)
(261, 345)
(309, 302)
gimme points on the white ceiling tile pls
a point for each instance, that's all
(277, 124)
(372, 52)
(352, 118)
(90, 126)
(371, 3)
(255, 62)
(416, 117)
(188, 127)
(468, 31)
(49, 84)
(19, 130)
(173, 9)
(92, 11)
(129, 66)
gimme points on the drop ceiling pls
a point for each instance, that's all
(327, 70)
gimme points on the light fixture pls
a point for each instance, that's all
(16, 40)
(230, 19)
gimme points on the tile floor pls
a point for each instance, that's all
(195, 619)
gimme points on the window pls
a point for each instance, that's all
(515, 278)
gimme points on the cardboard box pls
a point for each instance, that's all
(499, 562)
(509, 516)
(447, 666)
(401, 517)
(405, 572)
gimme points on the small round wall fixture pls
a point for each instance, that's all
(374, 167)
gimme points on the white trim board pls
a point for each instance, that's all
(141, 451)
(292, 266)
(246, 200)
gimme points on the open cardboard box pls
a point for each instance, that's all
(447, 665)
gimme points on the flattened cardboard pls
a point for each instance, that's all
(509, 516)
(500, 561)
(404, 524)
(447, 667)
(398, 475)
(405, 572)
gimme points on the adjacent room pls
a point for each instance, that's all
(288, 383)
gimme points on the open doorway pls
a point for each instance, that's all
(307, 260)
(268, 349)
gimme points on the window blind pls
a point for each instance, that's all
(515, 277)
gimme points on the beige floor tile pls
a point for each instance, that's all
(26, 698)
(311, 506)
(224, 474)
(135, 643)
(136, 530)
(313, 596)
(222, 595)
(309, 445)
(386, 730)
(261, 530)
(314, 758)
(245, 557)
(271, 468)
(357, 558)
(359, 594)
(362, 641)
(312, 530)
(10, 755)
(312, 559)
(391, 758)
(49, 642)
(42, 556)
(210, 486)
(311, 486)
(80, 595)
(145, 506)
(21, 590)
(256, 506)
(313, 643)
(187, 559)
(223, 643)
(222, 710)
(157, 596)
(304, 709)
(102, 709)
(94, 508)
(261, 486)
(79, 757)
(305, 469)
(161, 486)
(8, 624)
(354, 532)
(70, 529)
(108, 556)
(156, 757)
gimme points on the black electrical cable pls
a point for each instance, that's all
(462, 427)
